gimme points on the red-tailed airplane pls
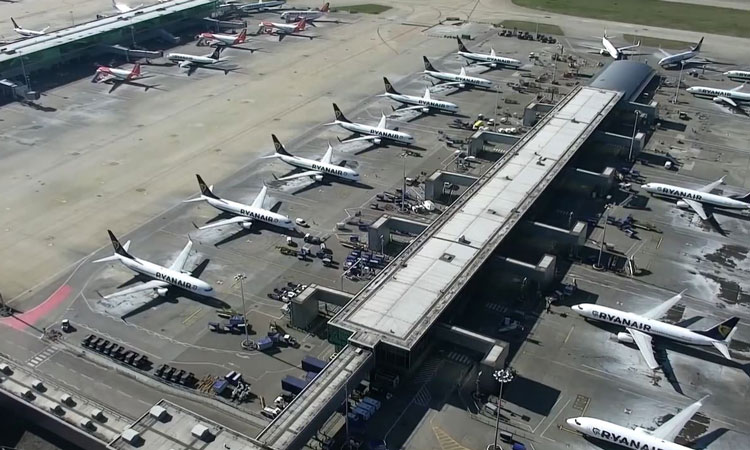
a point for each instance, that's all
(223, 40)
(283, 29)
(118, 77)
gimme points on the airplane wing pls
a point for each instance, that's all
(326, 159)
(728, 101)
(628, 47)
(412, 108)
(427, 95)
(261, 198)
(383, 120)
(309, 173)
(233, 220)
(661, 310)
(738, 88)
(598, 48)
(672, 427)
(451, 83)
(363, 138)
(153, 284)
(711, 186)
(179, 263)
(664, 52)
(697, 207)
(643, 341)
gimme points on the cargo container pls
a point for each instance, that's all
(220, 385)
(312, 364)
(293, 384)
(371, 409)
(372, 401)
(363, 413)
(265, 343)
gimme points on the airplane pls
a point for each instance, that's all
(373, 134)
(450, 79)
(243, 214)
(27, 33)
(222, 40)
(317, 170)
(729, 97)
(637, 438)
(491, 60)
(192, 62)
(738, 75)
(640, 328)
(696, 199)
(310, 15)
(422, 104)
(161, 277)
(283, 29)
(608, 48)
(123, 8)
(682, 57)
(257, 6)
(118, 77)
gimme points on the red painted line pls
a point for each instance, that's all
(32, 316)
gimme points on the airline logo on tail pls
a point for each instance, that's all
(276, 145)
(724, 330)
(300, 25)
(242, 36)
(136, 71)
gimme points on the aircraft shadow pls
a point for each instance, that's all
(707, 439)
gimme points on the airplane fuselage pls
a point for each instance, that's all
(462, 79)
(299, 15)
(691, 194)
(383, 133)
(625, 437)
(738, 75)
(252, 213)
(120, 74)
(648, 326)
(494, 60)
(611, 49)
(29, 33)
(421, 101)
(228, 39)
(702, 91)
(328, 169)
(172, 277)
(192, 59)
(676, 59)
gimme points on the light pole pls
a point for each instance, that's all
(403, 190)
(598, 265)
(635, 128)
(679, 81)
(382, 244)
(240, 278)
(502, 376)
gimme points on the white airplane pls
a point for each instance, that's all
(738, 75)
(220, 39)
(451, 79)
(118, 77)
(695, 199)
(373, 134)
(682, 57)
(244, 215)
(123, 8)
(162, 277)
(731, 97)
(422, 104)
(491, 60)
(284, 29)
(257, 6)
(310, 15)
(637, 438)
(317, 170)
(193, 62)
(27, 33)
(640, 328)
(608, 48)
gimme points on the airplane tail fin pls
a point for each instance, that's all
(300, 25)
(136, 70)
(697, 46)
(242, 36)
(325, 7)
(339, 115)
(278, 147)
(428, 65)
(217, 52)
(205, 189)
(15, 25)
(723, 331)
(44, 30)
(121, 250)
(389, 87)
(461, 46)
(744, 198)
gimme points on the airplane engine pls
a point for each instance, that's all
(462, 85)
(318, 178)
(624, 337)
(376, 141)
(425, 110)
(246, 225)
(161, 292)
(681, 204)
(493, 65)
(718, 100)
(183, 64)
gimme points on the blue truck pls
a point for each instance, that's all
(312, 364)
(293, 384)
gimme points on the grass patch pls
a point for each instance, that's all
(648, 41)
(544, 28)
(366, 8)
(685, 16)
